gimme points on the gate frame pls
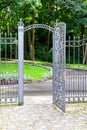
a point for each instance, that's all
(59, 40)
(20, 63)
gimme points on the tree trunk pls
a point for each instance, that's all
(30, 45)
(82, 30)
(54, 10)
(33, 46)
(48, 41)
(85, 55)
(33, 37)
(32, 42)
(25, 47)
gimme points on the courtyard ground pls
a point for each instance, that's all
(38, 113)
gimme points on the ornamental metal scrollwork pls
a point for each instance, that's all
(59, 32)
(39, 26)
(58, 67)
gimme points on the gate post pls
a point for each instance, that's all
(20, 63)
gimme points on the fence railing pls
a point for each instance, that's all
(8, 69)
(75, 75)
(10, 44)
(76, 69)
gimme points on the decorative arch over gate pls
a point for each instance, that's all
(38, 26)
(59, 34)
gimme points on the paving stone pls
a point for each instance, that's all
(38, 113)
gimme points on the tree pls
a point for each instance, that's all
(30, 14)
(5, 3)
(72, 12)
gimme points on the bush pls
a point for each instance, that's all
(40, 52)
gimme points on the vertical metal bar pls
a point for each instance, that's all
(11, 49)
(11, 96)
(78, 67)
(16, 57)
(83, 95)
(74, 50)
(69, 76)
(0, 71)
(53, 90)
(5, 66)
(64, 46)
(3, 73)
(74, 76)
(20, 62)
(69, 49)
(85, 70)
(71, 56)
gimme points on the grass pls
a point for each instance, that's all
(31, 71)
(35, 72)
(39, 63)
(77, 66)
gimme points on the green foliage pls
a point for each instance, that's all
(72, 12)
(5, 3)
(40, 52)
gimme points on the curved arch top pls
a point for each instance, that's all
(39, 26)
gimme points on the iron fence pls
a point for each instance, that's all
(8, 69)
(75, 74)
(76, 69)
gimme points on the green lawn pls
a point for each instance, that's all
(77, 66)
(31, 71)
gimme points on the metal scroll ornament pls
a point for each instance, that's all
(59, 66)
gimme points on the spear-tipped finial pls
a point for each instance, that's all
(20, 22)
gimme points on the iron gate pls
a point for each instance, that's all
(76, 69)
(11, 67)
(59, 33)
(59, 65)
(8, 69)
(11, 90)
